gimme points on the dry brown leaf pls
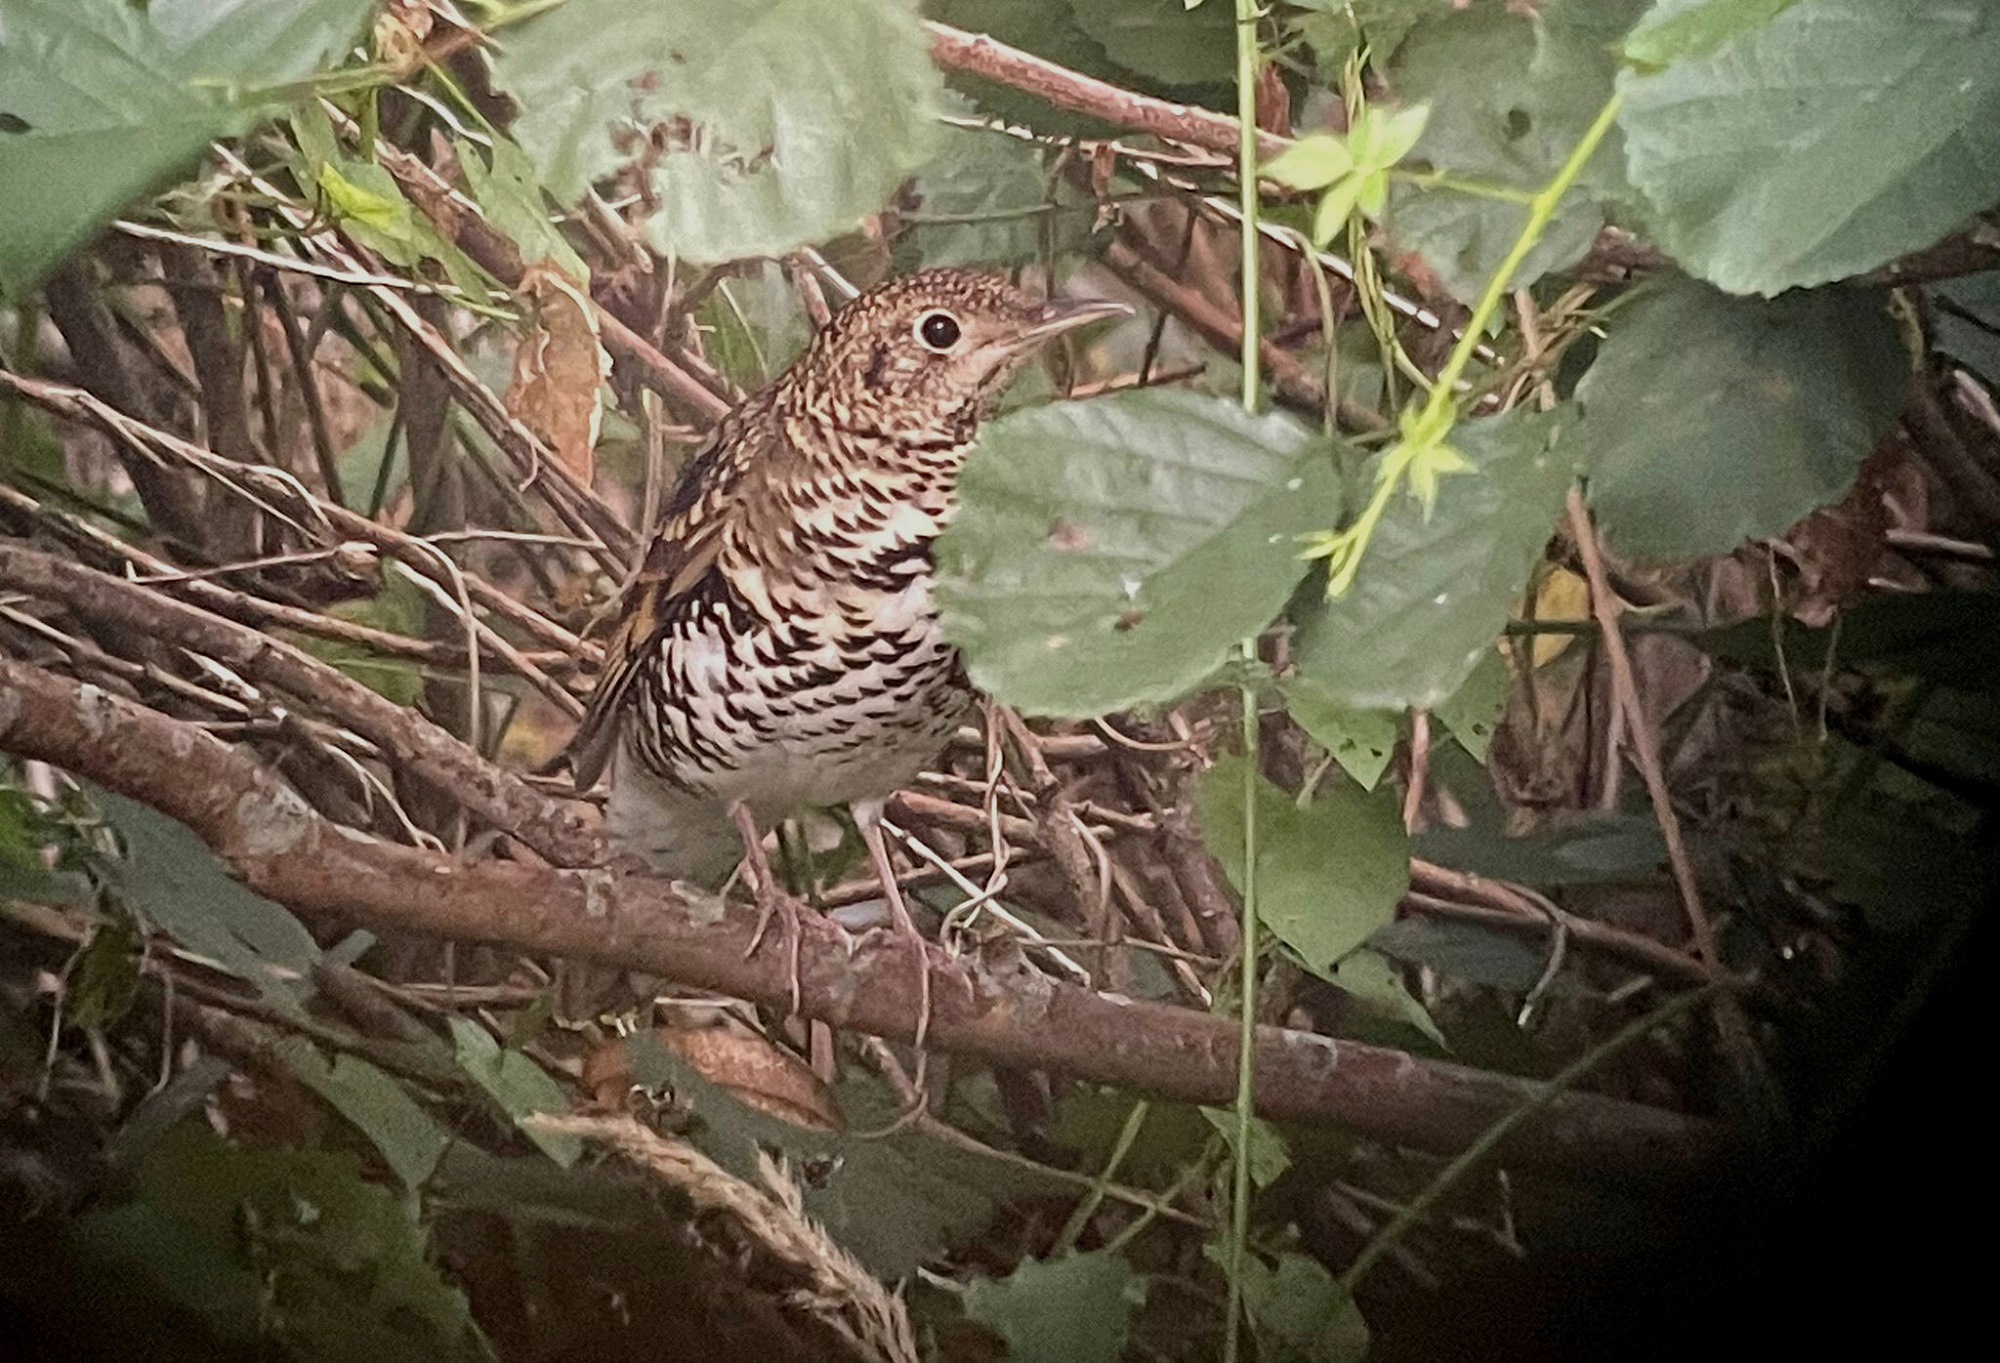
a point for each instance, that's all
(400, 30)
(558, 369)
(1836, 548)
(1562, 597)
(756, 1072)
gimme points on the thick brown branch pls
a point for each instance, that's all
(992, 1007)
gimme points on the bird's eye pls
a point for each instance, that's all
(938, 330)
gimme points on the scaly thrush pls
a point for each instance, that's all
(779, 647)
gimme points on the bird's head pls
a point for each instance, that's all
(922, 358)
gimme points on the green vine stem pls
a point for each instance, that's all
(1247, 58)
(1247, 192)
(1448, 1177)
(1422, 455)
(1540, 209)
(1086, 1208)
(1239, 1195)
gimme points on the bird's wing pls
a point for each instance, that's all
(681, 557)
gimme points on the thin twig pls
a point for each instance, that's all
(1645, 740)
(553, 828)
(980, 55)
(1732, 1026)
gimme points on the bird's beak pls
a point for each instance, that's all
(1067, 314)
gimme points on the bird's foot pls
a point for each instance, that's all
(772, 903)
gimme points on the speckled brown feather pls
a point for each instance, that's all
(681, 553)
(778, 645)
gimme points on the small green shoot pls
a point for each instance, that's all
(1352, 168)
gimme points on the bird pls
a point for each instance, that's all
(779, 646)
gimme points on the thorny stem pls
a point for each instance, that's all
(1239, 1198)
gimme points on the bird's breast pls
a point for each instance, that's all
(832, 683)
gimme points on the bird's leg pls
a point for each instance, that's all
(771, 902)
(868, 819)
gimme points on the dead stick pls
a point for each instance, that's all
(1732, 1025)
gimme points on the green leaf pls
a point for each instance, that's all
(1076, 1309)
(1376, 985)
(1374, 195)
(1593, 851)
(998, 189)
(1473, 711)
(397, 607)
(1113, 552)
(1362, 741)
(361, 464)
(756, 323)
(504, 184)
(1270, 1153)
(1335, 28)
(1465, 951)
(1510, 96)
(1965, 323)
(369, 206)
(1677, 29)
(1432, 596)
(1382, 138)
(25, 831)
(32, 448)
(378, 212)
(153, 1258)
(1336, 207)
(103, 100)
(173, 879)
(1312, 162)
(764, 124)
(1328, 875)
(410, 1141)
(1709, 420)
(1839, 136)
(343, 1264)
(104, 978)
(1089, 1123)
(1300, 1314)
(517, 1084)
(1164, 40)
